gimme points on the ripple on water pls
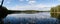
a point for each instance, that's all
(40, 18)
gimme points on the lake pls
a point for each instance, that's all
(37, 18)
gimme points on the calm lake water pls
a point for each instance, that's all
(37, 18)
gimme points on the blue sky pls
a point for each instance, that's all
(30, 4)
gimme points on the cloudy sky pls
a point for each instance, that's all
(30, 4)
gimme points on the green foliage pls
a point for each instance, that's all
(30, 11)
(55, 11)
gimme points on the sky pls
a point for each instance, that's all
(44, 5)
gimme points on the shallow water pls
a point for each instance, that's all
(37, 18)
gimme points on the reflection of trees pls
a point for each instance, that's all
(30, 11)
(55, 11)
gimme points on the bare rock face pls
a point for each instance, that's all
(3, 12)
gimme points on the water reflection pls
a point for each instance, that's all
(55, 15)
(37, 18)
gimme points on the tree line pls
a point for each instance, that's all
(55, 11)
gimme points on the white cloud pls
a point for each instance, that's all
(32, 2)
(30, 7)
